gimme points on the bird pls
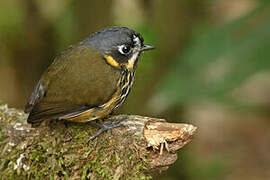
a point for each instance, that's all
(88, 80)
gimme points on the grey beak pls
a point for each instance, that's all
(147, 47)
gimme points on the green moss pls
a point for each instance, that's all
(110, 155)
(1, 135)
(37, 155)
(117, 160)
(139, 138)
(100, 160)
(53, 155)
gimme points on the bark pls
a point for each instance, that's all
(61, 150)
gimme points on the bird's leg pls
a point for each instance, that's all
(107, 126)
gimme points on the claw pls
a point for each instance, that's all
(105, 127)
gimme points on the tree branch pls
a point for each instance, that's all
(61, 150)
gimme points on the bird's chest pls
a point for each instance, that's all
(125, 84)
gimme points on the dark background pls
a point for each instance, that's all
(210, 68)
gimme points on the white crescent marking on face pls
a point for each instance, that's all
(132, 60)
(137, 41)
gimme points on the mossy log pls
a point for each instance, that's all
(61, 150)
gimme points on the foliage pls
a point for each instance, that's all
(218, 59)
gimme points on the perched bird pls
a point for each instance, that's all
(87, 81)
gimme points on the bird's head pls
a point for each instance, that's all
(120, 46)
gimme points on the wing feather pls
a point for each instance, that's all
(36, 95)
(45, 111)
(79, 79)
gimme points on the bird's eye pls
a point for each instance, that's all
(124, 49)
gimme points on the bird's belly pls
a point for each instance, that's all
(102, 111)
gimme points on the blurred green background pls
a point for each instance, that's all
(211, 68)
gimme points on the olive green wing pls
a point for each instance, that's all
(78, 80)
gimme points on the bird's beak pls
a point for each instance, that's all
(147, 47)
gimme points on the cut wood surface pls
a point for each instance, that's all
(62, 150)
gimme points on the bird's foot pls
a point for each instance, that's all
(107, 126)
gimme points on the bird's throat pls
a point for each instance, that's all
(129, 65)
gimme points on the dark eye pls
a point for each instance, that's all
(124, 49)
